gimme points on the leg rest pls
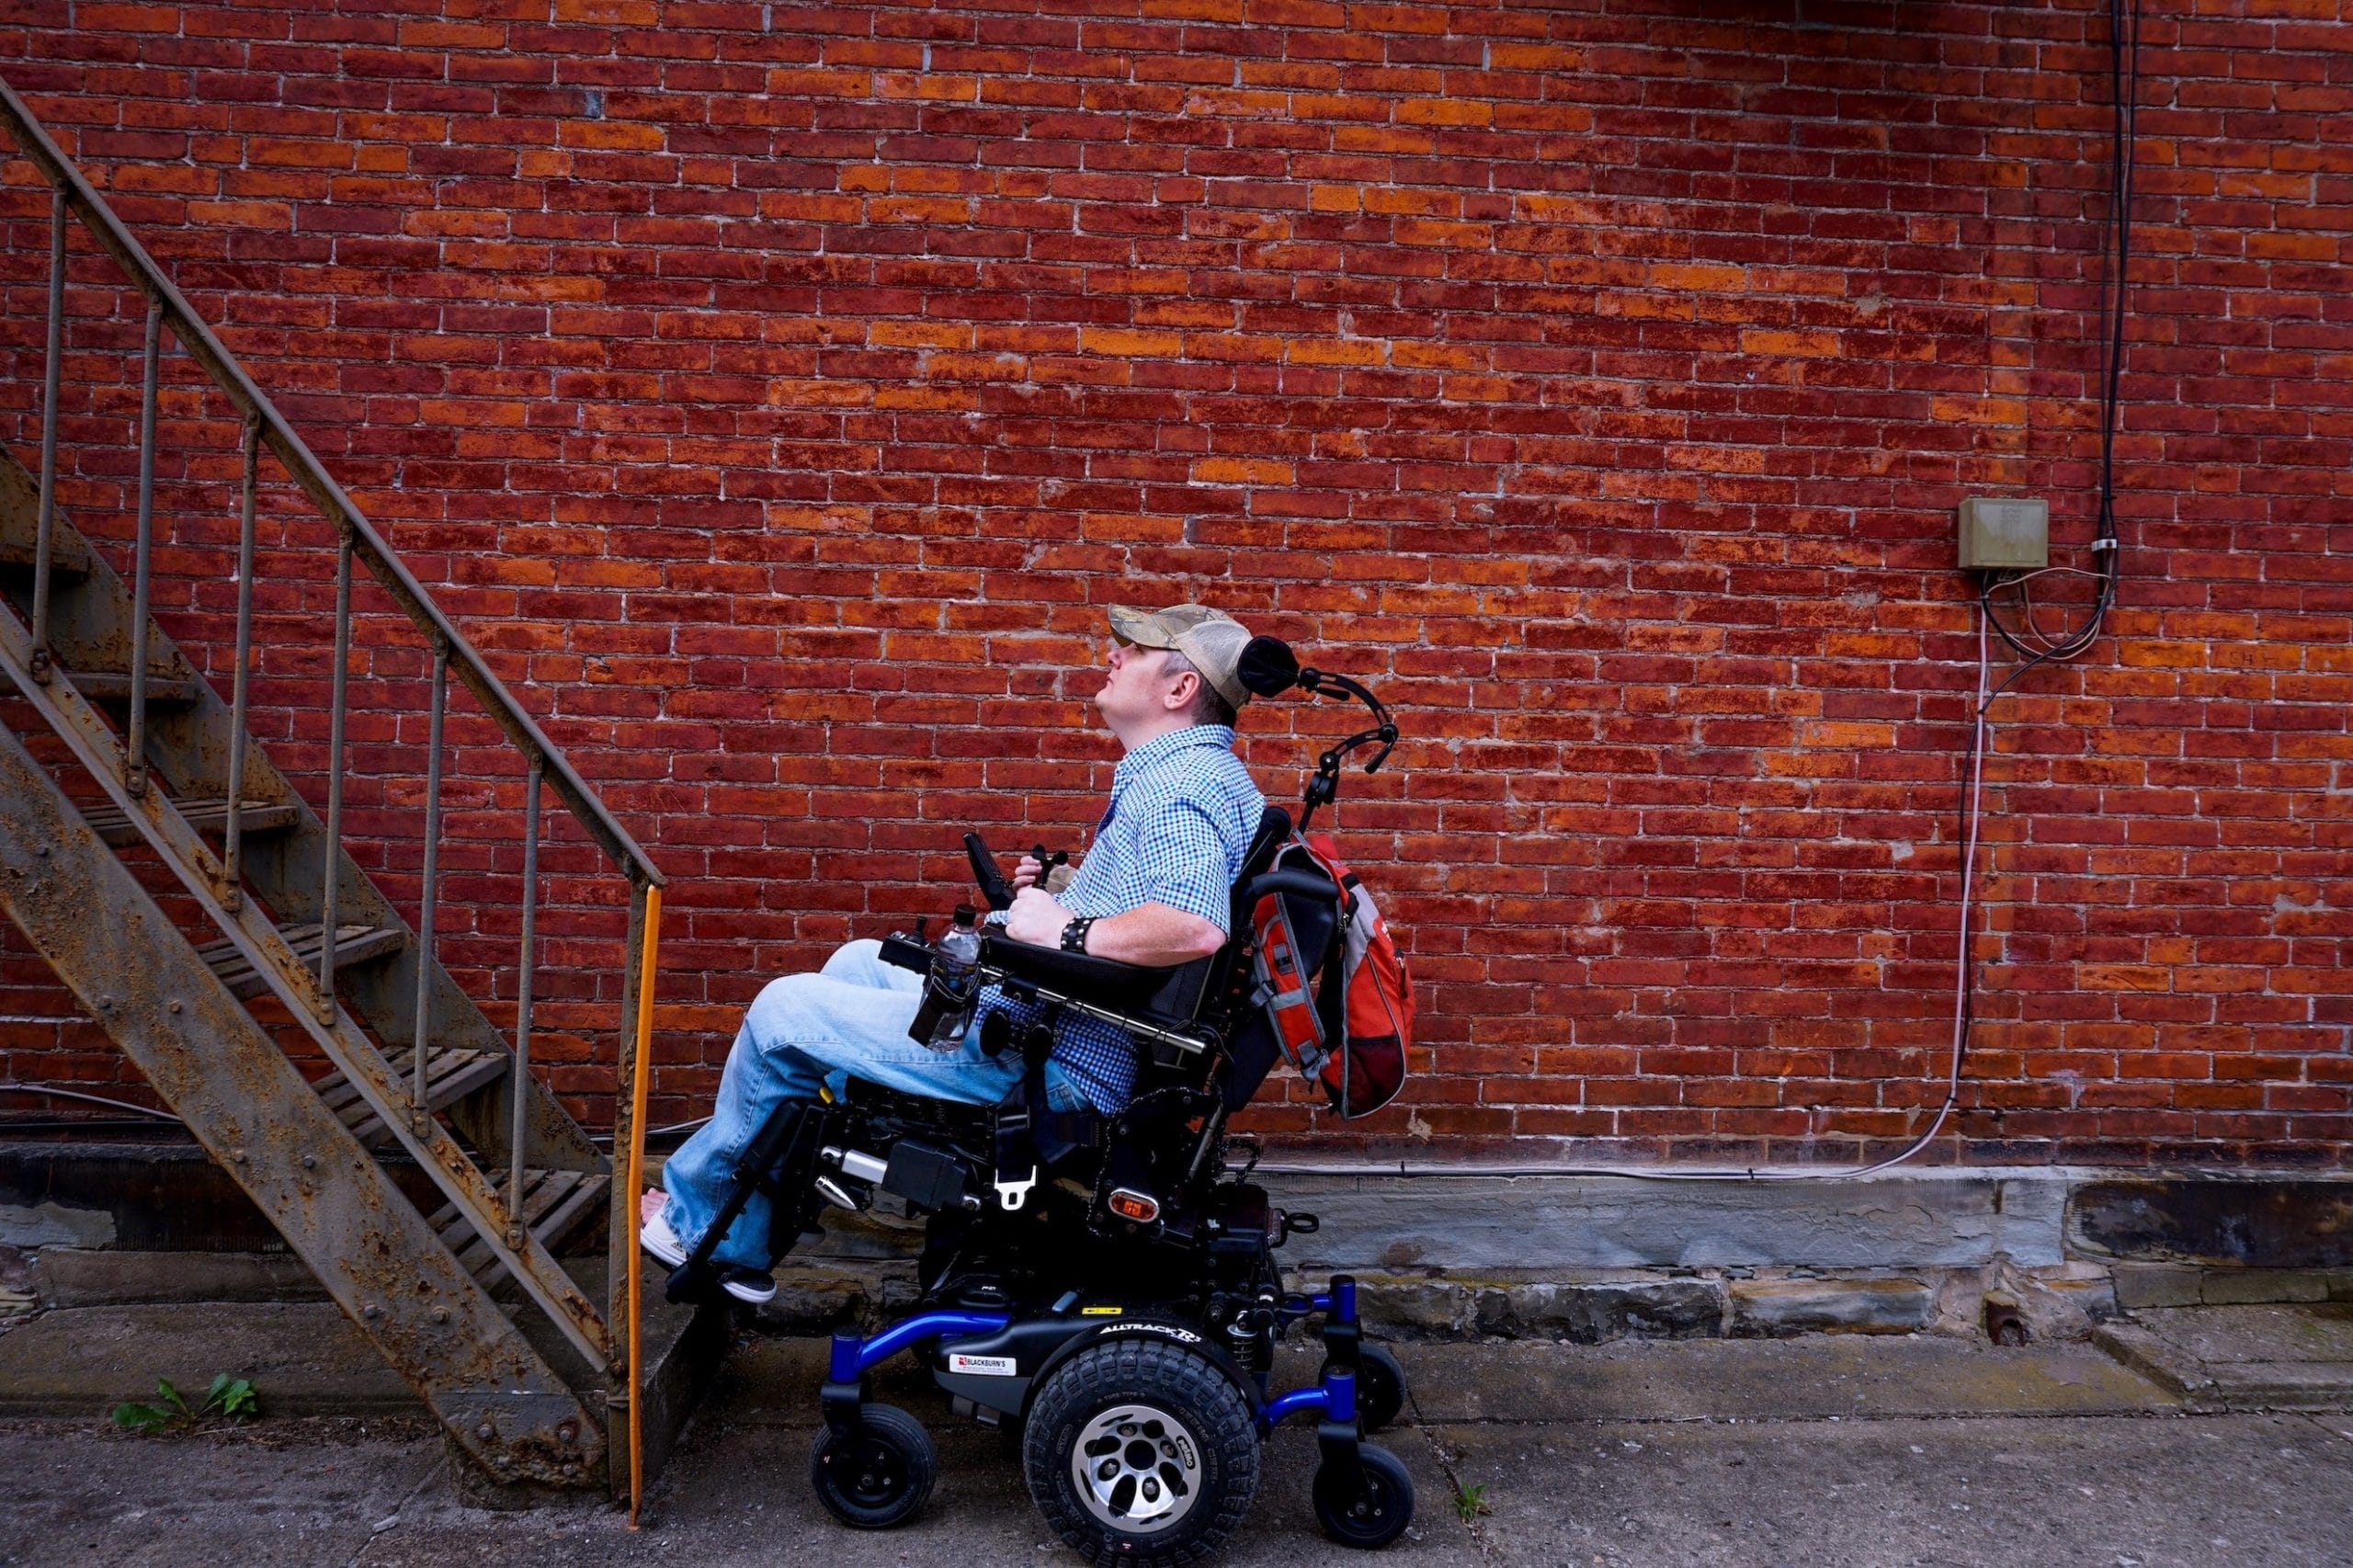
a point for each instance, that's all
(781, 1163)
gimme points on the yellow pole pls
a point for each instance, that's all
(637, 1182)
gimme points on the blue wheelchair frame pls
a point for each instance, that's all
(1332, 1398)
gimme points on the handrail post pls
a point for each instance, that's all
(631, 1069)
(421, 1107)
(232, 833)
(134, 777)
(624, 1207)
(519, 1088)
(335, 706)
(45, 530)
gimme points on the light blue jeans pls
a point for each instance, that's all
(847, 1020)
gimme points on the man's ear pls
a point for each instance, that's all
(1180, 697)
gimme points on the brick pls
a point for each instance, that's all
(774, 405)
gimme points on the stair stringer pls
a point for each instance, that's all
(221, 1073)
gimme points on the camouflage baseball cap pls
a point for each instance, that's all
(1210, 640)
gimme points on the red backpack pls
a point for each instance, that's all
(1332, 983)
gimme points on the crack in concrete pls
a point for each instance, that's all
(1444, 1461)
(434, 1465)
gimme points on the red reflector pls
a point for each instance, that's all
(1129, 1204)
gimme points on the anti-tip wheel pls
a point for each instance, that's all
(1369, 1505)
(879, 1475)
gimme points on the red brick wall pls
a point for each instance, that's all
(782, 390)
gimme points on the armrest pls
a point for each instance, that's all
(1103, 981)
(1166, 995)
(1169, 993)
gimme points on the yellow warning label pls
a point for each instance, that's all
(1100, 1312)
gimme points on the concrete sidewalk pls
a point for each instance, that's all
(1830, 1449)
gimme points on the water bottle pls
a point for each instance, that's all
(953, 985)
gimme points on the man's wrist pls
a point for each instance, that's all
(1074, 939)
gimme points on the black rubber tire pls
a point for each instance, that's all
(1189, 1388)
(879, 1476)
(1367, 1512)
(1381, 1386)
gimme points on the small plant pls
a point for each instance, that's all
(1470, 1502)
(229, 1399)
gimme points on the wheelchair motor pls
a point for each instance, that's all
(1105, 1285)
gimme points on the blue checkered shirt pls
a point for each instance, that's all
(1182, 814)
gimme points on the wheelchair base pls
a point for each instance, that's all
(991, 1364)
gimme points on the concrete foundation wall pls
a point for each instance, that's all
(1582, 1256)
(1923, 1218)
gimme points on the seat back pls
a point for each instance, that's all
(1196, 992)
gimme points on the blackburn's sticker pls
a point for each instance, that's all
(984, 1366)
(1100, 1312)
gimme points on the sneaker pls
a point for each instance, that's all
(656, 1237)
(749, 1286)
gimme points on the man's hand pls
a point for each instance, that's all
(1026, 874)
(1036, 917)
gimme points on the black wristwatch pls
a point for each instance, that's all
(1075, 934)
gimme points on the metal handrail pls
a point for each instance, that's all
(196, 338)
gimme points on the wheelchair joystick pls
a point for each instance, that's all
(1048, 865)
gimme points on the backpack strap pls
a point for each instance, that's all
(1332, 990)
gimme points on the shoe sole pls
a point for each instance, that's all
(676, 1255)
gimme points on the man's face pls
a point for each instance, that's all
(1133, 687)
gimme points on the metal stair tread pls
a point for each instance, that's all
(554, 1204)
(113, 826)
(69, 560)
(451, 1073)
(354, 944)
(114, 685)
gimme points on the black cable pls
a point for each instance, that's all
(2116, 255)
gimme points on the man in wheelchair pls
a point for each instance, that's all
(1154, 892)
(1097, 1271)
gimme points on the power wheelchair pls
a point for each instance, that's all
(1107, 1284)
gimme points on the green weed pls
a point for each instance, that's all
(229, 1399)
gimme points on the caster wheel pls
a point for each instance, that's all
(879, 1475)
(1139, 1451)
(1380, 1387)
(1367, 1510)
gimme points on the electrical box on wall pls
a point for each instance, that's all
(2005, 535)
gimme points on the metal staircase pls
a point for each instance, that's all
(430, 1175)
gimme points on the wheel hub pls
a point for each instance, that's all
(1136, 1468)
(877, 1476)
